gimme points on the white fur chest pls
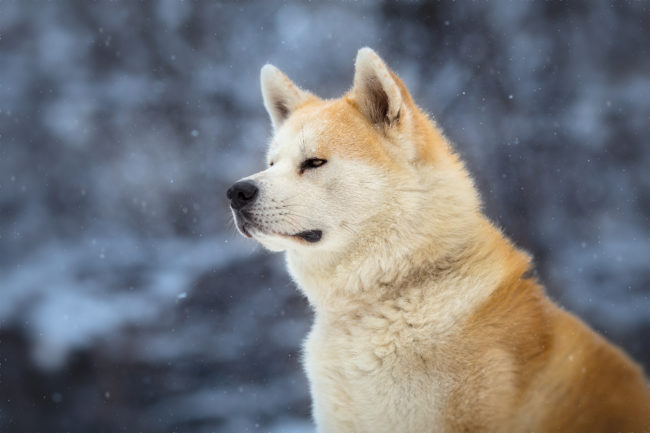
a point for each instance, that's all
(379, 357)
(371, 377)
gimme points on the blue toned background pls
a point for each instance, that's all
(127, 300)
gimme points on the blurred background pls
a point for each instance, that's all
(128, 302)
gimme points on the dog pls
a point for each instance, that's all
(426, 317)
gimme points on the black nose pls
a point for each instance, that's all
(242, 193)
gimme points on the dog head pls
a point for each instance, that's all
(354, 170)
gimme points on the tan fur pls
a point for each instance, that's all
(425, 317)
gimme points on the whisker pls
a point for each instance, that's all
(412, 190)
(347, 227)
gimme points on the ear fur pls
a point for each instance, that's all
(375, 89)
(281, 95)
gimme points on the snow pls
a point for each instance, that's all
(122, 125)
(69, 306)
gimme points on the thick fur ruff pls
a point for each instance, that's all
(426, 316)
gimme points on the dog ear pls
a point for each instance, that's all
(376, 89)
(281, 96)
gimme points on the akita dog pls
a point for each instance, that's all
(427, 318)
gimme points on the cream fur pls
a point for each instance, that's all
(423, 311)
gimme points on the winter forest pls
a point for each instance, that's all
(129, 302)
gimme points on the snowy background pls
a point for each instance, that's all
(127, 300)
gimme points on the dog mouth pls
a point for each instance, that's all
(244, 230)
(242, 223)
(311, 236)
(248, 227)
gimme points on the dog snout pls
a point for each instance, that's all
(242, 193)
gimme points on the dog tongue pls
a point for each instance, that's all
(311, 235)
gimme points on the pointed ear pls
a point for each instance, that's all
(280, 95)
(375, 89)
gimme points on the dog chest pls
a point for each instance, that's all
(372, 382)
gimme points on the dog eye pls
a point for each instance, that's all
(311, 163)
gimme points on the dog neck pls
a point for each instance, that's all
(381, 274)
